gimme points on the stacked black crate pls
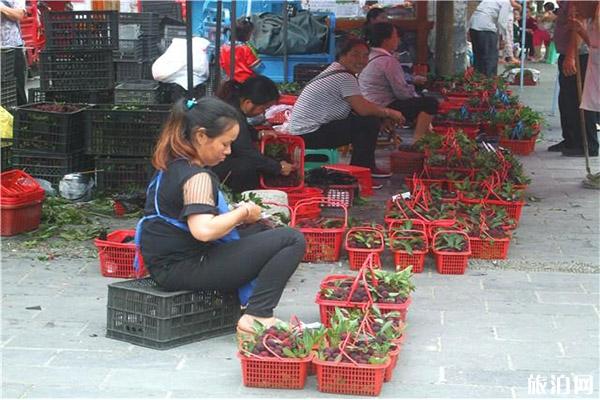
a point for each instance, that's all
(8, 81)
(48, 140)
(76, 65)
(138, 46)
(122, 138)
(8, 98)
(75, 68)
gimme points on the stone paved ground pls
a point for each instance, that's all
(480, 335)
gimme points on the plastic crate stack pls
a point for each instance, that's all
(77, 65)
(121, 138)
(138, 46)
(8, 83)
(169, 9)
(48, 140)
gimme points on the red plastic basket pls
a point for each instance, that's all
(288, 99)
(295, 149)
(274, 373)
(451, 263)
(357, 256)
(306, 193)
(395, 224)
(348, 378)
(116, 257)
(19, 185)
(513, 208)
(327, 307)
(393, 361)
(489, 249)
(362, 175)
(321, 244)
(402, 258)
(20, 216)
(406, 162)
(521, 147)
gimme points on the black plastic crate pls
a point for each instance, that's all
(123, 130)
(138, 92)
(57, 131)
(141, 49)
(171, 32)
(37, 95)
(50, 166)
(146, 23)
(77, 70)
(118, 174)
(139, 312)
(170, 9)
(8, 93)
(6, 155)
(131, 70)
(7, 64)
(303, 73)
(81, 30)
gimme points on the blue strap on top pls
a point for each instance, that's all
(246, 290)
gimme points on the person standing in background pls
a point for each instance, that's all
(247, 63)
(571, 145)
(585, 22)
(12, 13)
(489, 19)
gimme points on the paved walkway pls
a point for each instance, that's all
(481, 335)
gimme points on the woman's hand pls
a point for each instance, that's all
(251, 212)
(395, 115)
(419, 80)
(266, 134)
(286, 168)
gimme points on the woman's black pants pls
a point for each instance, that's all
(485, 51)
(270, 256)
(359, 131)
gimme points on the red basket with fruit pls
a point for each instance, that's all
(451, 251)
(389, 291)
(278, 357)
(513, 208)
(521, 147)
(323, 235)
(117, 253)
(362, 241)
(410, 248)
(284, 148)
(351, 360)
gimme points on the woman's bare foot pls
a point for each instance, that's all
(246, 322)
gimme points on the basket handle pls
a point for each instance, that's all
(396, 234)
(367, 229)
(320, 200)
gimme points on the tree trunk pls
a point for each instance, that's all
(444, 38)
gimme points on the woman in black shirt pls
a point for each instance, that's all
(188, 236)
(243, 166)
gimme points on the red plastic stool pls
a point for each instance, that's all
(362, 175)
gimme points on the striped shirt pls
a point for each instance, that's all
(382, 81)
(323, 100)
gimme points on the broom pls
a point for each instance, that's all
(591, 181)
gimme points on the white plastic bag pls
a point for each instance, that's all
(171, 67)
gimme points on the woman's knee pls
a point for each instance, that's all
(293, 237)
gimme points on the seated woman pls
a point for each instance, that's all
(188, 236)
(241, 169)
(331, 112)
(382, 81)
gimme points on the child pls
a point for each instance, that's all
(247, 62)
